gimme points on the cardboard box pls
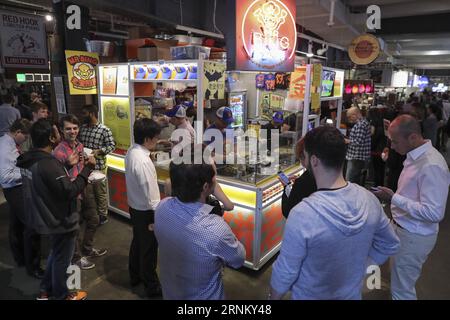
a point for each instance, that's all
(153, 49)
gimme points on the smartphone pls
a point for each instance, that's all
(283, 178)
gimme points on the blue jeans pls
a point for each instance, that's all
(354, 170)
(55, 279)
(407, 263)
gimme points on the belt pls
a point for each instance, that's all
(395, 222)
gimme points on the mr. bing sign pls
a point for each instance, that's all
(266, 35)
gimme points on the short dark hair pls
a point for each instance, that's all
(91, 108)
(68, 118)
(41, 131)
(24, 125)
(145, 128)
(187, 180)
(328, 144)
(7, 98)
(36, 106)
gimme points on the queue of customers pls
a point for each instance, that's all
(333, 231)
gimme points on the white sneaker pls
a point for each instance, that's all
(85, 264)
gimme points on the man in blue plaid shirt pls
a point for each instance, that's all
(358, 151)
(99, 138)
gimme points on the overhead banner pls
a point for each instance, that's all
(266, 35)
(213, 80)
(23, 41)
(81, 72)
(364, 49)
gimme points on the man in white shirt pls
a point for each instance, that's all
(8, 114)
(143, 197)
(418, 205)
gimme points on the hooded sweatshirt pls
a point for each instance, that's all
(49, 194)
(329, 240)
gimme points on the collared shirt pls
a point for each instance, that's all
(419, 203)
(194, 245)
(98, 137)
(359, 146)
(141, 179)
(63, 151)
(8, 114)
(9, 173)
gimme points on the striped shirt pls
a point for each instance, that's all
(359, 146)
(194, 246)
(98, 137)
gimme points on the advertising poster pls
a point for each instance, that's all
(317, 75)
(214, 80)
(81, 72)
(23, 40)
(116, 116)
(266, 35)
(315, 103)
(109, 80)
(59, 95)
(122, 81)
(298, 84)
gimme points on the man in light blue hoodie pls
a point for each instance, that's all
(332, 236)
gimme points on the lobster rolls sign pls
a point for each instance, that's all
(266, 35)
(81, 72)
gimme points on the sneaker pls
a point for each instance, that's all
(43, 296)
(96, 253)
(77, 295)
(103, 220)
(85, 264)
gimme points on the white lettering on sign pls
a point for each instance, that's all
(374, 19)
(74, 20)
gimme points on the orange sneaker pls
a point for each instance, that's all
(77, 295)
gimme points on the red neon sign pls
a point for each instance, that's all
(266, 35)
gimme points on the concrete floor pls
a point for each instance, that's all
(109, 280)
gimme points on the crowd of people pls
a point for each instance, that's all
(335, 226)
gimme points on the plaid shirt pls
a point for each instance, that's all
(63, 151)
(98, 137)
(359, 147)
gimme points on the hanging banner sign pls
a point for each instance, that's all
(214, 80)
(266, 35)
(81, 72)
(23, 41)
(298, 84)
(364, 49)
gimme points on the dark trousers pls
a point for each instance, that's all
(392, 178)
(90, 219)
(378, 170)
(55, 279)
(354, 171)
(25, 243)
(144, 250)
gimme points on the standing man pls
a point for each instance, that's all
(194, 244)
(68, 151)
(177, 117)
(333, 235)
(25, 243)
(143, 197)
(418, 205)
(358, 151)
(99, 138)
(50, 204)
(8, 114)
(39, 110)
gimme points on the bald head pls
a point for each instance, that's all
(406, 125)
(405, 134)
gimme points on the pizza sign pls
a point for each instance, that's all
(364, 49)
(266, 35)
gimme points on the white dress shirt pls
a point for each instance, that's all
(141, 179)
(9, 173)
(419, 203)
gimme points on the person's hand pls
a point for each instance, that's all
(90, 162)
(151, 227)
(384, 194)
(73, 159)
(385, 154)
(97, 152)
(164, 142)
(347, 141)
